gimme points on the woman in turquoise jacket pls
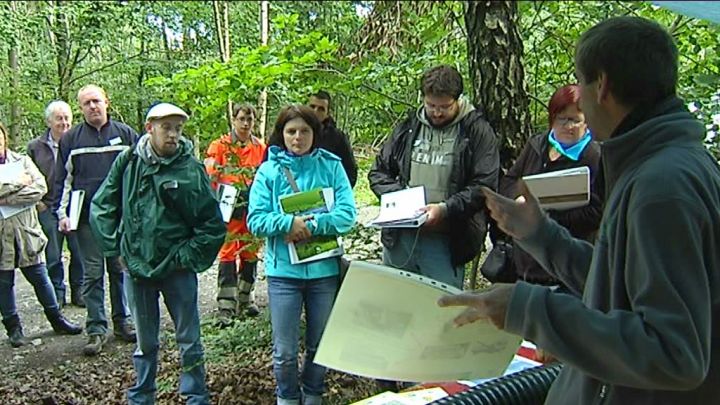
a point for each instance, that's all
(311, 285)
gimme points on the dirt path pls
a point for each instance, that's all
(49, 349)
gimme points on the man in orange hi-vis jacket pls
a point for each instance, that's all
(232, 160)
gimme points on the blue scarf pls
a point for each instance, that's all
(570, 150)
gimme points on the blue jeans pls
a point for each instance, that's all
(424, 253)
(287, 297)
(94, 284)
(38, 278)
(53, 256)
(180, 293)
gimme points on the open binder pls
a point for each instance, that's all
(401, 209)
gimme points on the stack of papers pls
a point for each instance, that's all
(386, 324)
(315, 201)
(562, 189)
(401, 209)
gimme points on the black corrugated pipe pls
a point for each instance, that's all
(527, 387)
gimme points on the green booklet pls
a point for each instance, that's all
(315, 201)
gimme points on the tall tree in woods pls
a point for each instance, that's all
(495, 59)
(221, 17)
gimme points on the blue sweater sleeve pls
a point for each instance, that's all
(264, 218)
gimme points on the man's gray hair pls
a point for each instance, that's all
(54, 106)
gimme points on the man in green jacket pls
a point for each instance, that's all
(643, 323)
(157, 211)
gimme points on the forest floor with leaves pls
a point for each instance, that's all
(53, 370)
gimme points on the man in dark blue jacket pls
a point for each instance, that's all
(86, 154)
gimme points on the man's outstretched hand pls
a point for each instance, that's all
(490, 304)
(518, 218)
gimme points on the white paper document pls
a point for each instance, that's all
(417, 397)
(386, 324)
(401, 209)
(76, 203)
(562, 189)
(10, 173)
(227, 195)
(7, 211)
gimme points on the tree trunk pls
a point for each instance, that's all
(59, 34)
(221, 16)
(264, 31)
(495, 52)
(14, 124)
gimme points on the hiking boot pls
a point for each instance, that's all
(249, 310)
(62, 326)
(94, 345)
(17, 339)
(15, 332)
(77, 299)
(224, 317)
(125, 332)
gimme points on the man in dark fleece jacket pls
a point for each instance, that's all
(332, 138)
(647, 328)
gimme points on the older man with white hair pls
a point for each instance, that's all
(43, 151)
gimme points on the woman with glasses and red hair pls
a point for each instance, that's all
(567, 144)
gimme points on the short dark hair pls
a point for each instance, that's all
(443, 80)
(244, 107)
(638, 56)
(323, 95)
(289, 113)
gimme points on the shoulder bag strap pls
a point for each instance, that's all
(291, 180)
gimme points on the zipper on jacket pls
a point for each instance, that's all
(603, 393)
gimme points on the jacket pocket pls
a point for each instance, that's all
(33, 242)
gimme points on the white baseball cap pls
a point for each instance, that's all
(165, 110)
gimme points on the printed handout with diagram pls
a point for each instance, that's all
(561, 189)
(312, 202)
(401, 209)
(386, 324)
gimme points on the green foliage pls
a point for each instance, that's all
(551, 29)
(242, 336)
(205, 90)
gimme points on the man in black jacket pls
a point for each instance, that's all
(43, 151)
(447, 147)
(333, 139)
(86, 153)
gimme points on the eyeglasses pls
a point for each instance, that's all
(571, 122)
(439, 108)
